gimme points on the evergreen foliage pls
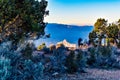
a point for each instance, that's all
(104, 30)
(22, 18)
(71, 63)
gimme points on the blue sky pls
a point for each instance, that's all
(82, 12)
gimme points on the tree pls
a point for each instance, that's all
(118, 24)
(92, 36)
(119, 34)
(119, 30)
(112, 31)
(22, 19)
(100, 25)
(100, 28)
(79, 42)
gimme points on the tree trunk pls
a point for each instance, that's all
(99, 42)
(116, 41)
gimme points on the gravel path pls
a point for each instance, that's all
(92, 74)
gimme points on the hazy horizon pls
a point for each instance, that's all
(82, 12)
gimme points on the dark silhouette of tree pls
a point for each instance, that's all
(92, 37)
(22, 19)
(79, 41)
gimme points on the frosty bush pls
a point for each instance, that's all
(15, 66)
(32, 70)
(58, 60)
(4, 68)
(25, 69)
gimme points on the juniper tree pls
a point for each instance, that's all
(100, 28)
(112, 32)
(22, 19)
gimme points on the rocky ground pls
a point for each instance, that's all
(92, 74)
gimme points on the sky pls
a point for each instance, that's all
(82, 12)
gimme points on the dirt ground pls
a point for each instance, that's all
(92, 74)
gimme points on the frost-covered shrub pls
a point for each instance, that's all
(14, 66)
(5, 47)
(33, 70)
(58, 60)
(4, 68)
(27, 70)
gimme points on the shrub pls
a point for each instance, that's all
(79, 58)
(27, 52)
(46, 50)
(71, 63)
(14, 66)
(41, 46)
(102, 56)
(105, 51)
(92, 56)
(81, 61)
(58, 60)
(26, 70)
(4, 68)
(33, 70)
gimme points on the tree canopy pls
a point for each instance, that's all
(100, 24)
(104, 30)
(22, 18)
